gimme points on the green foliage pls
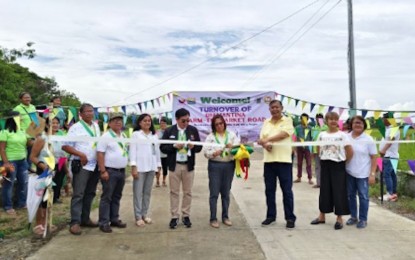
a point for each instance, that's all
(15, 79)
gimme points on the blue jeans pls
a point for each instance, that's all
(220, 181)
(84, 184)
(109, 205)
(21, 174)
(282, 171)
(359, 186)
(389, 175)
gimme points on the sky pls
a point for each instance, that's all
(123, 52)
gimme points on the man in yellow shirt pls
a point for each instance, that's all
(278, 163)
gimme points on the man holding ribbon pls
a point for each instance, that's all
(278, 163)
(84, 169)
(181, 158)
(112, 159)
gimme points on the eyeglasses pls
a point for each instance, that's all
(219, 123)
(185, 121)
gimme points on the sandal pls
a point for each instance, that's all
(38, 230)
(11, 212)
(148, 220)
(158, 184)
(140, 223)
(164, 184)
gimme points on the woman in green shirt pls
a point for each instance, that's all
(13, 143)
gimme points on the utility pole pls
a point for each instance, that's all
(350, 54)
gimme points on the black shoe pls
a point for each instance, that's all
(105, 228)
(186, 222)
(173, 223)
(338, 226)
(268, 221)
(290, 224)
(118, 224)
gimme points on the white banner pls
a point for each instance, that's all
(244, 112)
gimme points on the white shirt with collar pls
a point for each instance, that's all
(145, 156)
(88, 148)
(115, 157)
(393, 150)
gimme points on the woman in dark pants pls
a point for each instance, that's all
(221, 168)
(333, 190)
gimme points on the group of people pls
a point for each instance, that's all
(347, 166)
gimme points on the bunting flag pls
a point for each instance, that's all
(50, 161)
(130, 132)
(17, 121)
(394, 163)
(320, 109)
(124, 109)
(145, 105)
(408, 120)
(331, 108)
(124, 119)
(411, 164)
(282, 98)
(158, 101)
(96, 113)
(376, 114)
(306, 132)
(116, 109)
(381, 126)
(392, 121)
(379, 161)
(404, 114)
(70, 117)
(405, 130)
(296, 102)
(294, 138)
(312, 105)
(321, 122)
(341, 110)
(393, 132)
(340, 123)
(364, 113)
(33, 117)
(164, 99)
(139, 106)
(304, 120)
(152, 102)
(105, 126)
(75, 113)
(368, 123)
(303, 103)
(2, 124)
(105, 116)
(368, 131)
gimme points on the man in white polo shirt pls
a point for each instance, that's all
(112, 160)
(84, 169)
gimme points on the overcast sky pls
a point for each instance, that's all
(113, 52)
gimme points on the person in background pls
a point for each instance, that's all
(315, 131)
(27, 111)
(163, 156)
(389, 151)
(58, 111)
(333, 190)
(278, 163)
(145, 162)
(181, 158)
(221, 168)
(303, 131)
(84, 169)
(13, 144)
(112, 159)
(361, 171)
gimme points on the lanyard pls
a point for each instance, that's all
(224, 153)
(121, 145)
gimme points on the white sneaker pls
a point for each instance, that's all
(386, 197)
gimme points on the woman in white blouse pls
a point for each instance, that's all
(221, 167)
(145, 161)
